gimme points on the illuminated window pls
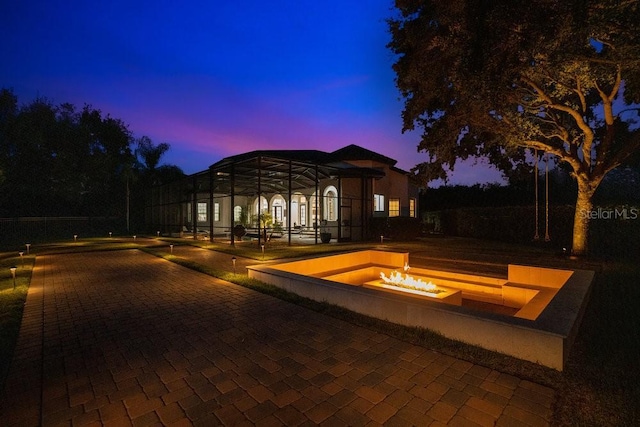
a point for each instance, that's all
(378, 203)
(412, 208)
(237, 214)
(303, 215)
(312, 203)
(277, 213)
(202, 212)
(216, 211)
(394, 207)
(331, 203)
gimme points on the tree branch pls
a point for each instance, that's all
(630, 148)
(560, 153)
(583, 101)
(609, 136)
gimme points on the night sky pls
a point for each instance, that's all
(215, 79)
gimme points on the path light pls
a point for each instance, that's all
(110, 234)
(262, 252)
(233, 260)
(134, 237)
(28, 245)
(75, 237)
(381, 239)
(13, 274)
(171, 246)
(158, 233)
(22, 258)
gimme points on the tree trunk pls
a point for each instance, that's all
(582, 216)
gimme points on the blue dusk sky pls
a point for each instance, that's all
(214, 78)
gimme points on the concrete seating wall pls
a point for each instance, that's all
(334, 264)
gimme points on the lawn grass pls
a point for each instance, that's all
(601, 381)
(12, 305)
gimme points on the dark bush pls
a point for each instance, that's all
(397, 228)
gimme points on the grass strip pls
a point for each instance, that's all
(12, 306)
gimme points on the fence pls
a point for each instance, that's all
(613, 231)
(16, 232)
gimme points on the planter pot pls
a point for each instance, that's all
(239, 231)
(325, 237)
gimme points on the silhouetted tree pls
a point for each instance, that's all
(55, 160)
(496, 78)
(149, 172)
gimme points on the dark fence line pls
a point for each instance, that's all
(15, 232)
(614, 231)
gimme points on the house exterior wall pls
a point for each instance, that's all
(174, 207)
(394, 185)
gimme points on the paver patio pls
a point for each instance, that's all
(125, 338)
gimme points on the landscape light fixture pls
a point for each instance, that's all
(134, 237)
(110, 234)
(233, 260)
(13, 274)
(28, 245)
(75, 237)
(158, 233)
(171, 247)
(21, 258)
(381, 238)
(262, 252)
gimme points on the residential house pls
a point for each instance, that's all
(302, 191)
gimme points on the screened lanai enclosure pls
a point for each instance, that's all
(284, 194)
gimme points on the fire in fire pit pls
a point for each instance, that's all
(409, 282)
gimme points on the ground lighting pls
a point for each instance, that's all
(13, 274)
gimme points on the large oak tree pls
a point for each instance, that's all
(496, 78)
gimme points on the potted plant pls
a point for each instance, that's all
(239, 231)
(325, 234)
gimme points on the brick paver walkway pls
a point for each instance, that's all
(121, 338)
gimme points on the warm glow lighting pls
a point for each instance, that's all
(28, 245)
(405, 281)
(21, 257)
(13, 274)
(75, 237)
(171, 246)
(233, 260)
(110, 234)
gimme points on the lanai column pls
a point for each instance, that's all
(194, 207)
(232, 194)
(289, 208)
(260, 200)
(211, 210)
(363, 206)
(316, 221)
(339, 207)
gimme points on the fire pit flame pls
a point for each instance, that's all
(398, 279)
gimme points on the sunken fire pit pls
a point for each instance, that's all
(547, 304)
